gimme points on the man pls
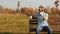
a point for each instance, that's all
(42, 17)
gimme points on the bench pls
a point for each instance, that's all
(53, 22)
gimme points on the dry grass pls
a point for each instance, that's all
(14, 23)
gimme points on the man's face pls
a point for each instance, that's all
(41, 9)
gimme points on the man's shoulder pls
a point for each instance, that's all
(37, 13)
(45, 13)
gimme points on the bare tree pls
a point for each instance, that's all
(1, 9)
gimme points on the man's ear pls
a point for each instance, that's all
(39, 9)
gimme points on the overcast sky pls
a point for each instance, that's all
(26, 3)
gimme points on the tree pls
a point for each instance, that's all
(24, 10)
(32, 11)
(1, 9)
(48, 10)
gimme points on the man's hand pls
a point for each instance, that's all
(40, 13)
(43, 16)
(31, 17)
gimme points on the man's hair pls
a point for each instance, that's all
(41, 6)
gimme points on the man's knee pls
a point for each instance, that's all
(38, 29)
(50, 30)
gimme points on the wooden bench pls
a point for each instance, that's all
(53, 22)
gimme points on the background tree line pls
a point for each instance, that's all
(28, 10)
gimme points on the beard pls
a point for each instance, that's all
(40, 10)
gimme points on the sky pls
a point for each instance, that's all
(26, 3)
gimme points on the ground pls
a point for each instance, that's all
(14, 23)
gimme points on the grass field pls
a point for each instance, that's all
(14, 23)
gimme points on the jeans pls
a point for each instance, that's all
(46, 28)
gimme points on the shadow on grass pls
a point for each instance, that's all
(6, 33)
(12, 33)
(21, 33)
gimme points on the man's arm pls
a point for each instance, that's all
(45, 17)
(33, 15)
